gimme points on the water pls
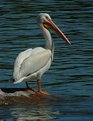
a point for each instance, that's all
(71, 74)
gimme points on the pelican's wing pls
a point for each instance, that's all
(35, 62)
(19, 60)
(32, 62)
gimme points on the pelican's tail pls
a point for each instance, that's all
(20, 80)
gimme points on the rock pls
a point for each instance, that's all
(9, 96)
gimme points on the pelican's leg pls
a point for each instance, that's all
(29, 87)
(39, 86)
(40, 90)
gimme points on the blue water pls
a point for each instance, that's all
(71, 74)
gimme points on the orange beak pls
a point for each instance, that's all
(51, 24)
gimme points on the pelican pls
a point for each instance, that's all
(31, 64)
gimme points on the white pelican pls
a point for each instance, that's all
(31, 64)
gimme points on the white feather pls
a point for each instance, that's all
(29, 64)
(19, 60)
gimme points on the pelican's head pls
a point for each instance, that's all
(42, 17)
(45, 20)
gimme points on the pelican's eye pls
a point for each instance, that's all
(46, 17)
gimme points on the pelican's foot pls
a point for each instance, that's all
(42, 93)
(37, 92)
(30, 90)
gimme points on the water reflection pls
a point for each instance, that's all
(38, 113)
(34, 112)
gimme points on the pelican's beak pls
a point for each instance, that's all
(51, 24)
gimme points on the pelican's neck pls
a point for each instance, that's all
(47, 35)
